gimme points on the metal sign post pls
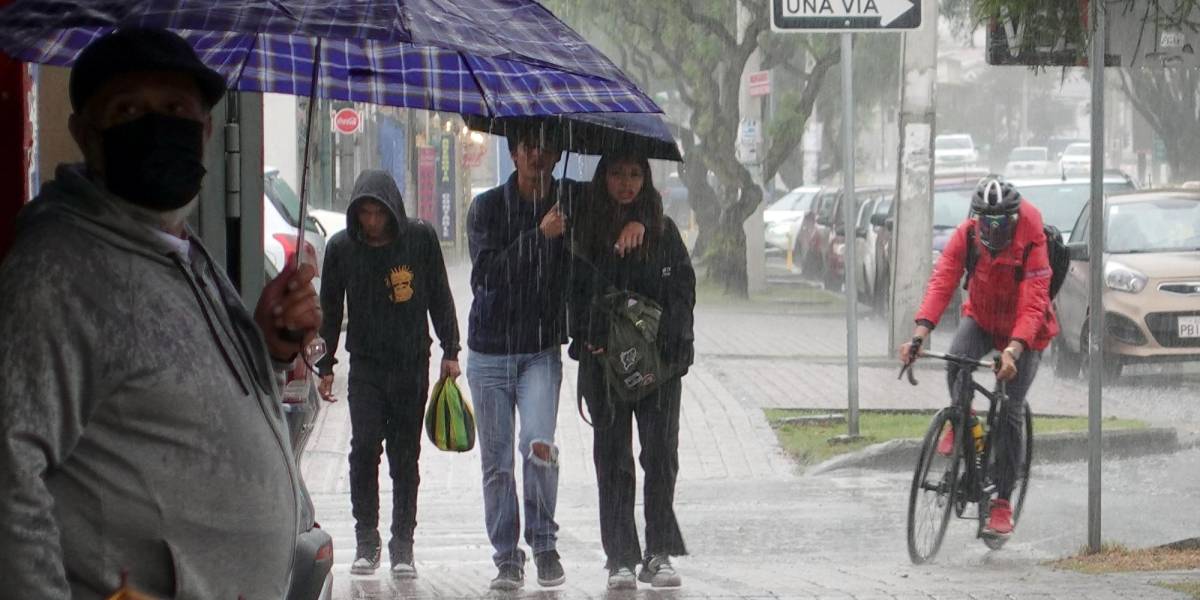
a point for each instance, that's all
(848, 230)
(1096, 284)
(807, 16)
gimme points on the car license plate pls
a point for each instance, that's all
(1189, 327)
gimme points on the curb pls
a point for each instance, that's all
(901, 455)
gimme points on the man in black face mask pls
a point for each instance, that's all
(141, 426)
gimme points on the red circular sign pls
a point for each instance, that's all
(347, 120)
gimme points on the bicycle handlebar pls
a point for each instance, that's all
(964, 361)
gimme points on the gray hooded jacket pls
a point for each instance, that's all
(140, 428)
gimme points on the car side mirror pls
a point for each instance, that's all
(860, 232)
(878, 220)
(1078, 251)
(889, 224)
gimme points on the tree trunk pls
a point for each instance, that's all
(728, 252)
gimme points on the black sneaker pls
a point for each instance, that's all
(549, 569)
(510, 577)
(658, 572)
(366, 560)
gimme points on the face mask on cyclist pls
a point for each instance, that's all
(995, 232)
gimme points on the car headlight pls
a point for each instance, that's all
(1124, 279)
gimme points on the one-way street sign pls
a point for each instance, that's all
(845, 15)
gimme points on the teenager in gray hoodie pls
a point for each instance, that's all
(141, 428)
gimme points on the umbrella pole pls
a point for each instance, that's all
(308, 127)
(316, 349)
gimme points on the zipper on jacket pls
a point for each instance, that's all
(208, 318)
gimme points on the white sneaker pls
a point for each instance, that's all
(658, 572)
(366, 562)
(402, 570)
(622, 578)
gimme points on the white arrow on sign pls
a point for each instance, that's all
(886, 10)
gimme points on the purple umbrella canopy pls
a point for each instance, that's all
(497, 58)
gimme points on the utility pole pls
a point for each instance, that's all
(912, 234)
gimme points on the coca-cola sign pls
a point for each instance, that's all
(347, 121)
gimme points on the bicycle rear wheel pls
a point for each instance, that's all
(1020, 485)
(931, 498)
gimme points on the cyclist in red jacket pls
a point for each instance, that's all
(1007, 308)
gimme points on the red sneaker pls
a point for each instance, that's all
(945, 445)
(1000, 519)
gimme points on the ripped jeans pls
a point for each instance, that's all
(502, 388)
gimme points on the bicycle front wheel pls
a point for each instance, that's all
(931, 499)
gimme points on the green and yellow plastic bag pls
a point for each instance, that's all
(449, 420)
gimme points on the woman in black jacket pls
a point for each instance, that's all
(657, 266)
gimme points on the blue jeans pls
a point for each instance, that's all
(503, 386)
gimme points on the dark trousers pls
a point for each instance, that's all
(387, 409)
(971, 340)
(658, 431)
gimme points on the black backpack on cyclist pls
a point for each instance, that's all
(1056, 251)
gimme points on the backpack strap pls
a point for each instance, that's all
(972, 256)
(1020, 272)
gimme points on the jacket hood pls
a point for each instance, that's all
(378, 185)
(72, 197)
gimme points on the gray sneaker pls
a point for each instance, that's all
(621, 578)
(658, 572)
(510, 578)
(403, 570)
(366, 560)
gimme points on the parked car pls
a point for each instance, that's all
(312, 569)
(806, 249)
(833, 249)
(331, 221)
(281, 210)
(954, 151)
(1151, 283)
(1076, 160)
(1029, 161)
(868, 257)
(1060, 201)
(782, 218)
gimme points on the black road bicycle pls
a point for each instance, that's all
(944, 485)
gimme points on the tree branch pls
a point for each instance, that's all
(709, 24)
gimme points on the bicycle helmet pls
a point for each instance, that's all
(995, 206)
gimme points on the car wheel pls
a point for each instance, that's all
(1066, 363)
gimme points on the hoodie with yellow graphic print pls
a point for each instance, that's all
(386, 290)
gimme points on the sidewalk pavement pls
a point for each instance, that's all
(754, 527)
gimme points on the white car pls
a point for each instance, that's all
(281, 207)
(782, 218)
(1060, 200)
(331, 221)
(954, 151)
(1076, 160)
(1029, 161)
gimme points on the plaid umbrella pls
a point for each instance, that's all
(594, 133)
(484, 57)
